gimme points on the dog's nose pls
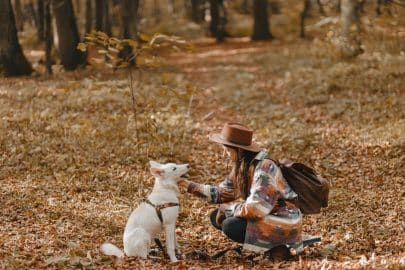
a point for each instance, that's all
(188, 166)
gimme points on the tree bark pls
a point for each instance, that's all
(218, 19)
(89, 16)
(244, 7)
(103, 22)
(350, 44)
(304, 15)
(129, 13)
(48, 36)
(261, 29)
(156, 9)
(19, 20)
(40, 19)
(197, 14)
(68, 34)
(12, 59)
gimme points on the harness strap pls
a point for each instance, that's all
(159, 207)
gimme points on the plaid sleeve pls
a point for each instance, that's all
(222, 193)
(263, 197)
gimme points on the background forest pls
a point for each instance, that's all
(90, 91)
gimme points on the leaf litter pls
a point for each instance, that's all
(74, 156)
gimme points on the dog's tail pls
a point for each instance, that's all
(111, 250)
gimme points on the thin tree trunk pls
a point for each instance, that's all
(261, 30)
(218, 19)
(320, 6)
(12, 59)
(351, 45)
(214, 12)
(40, 20)
(304, 15)
(68, 34)
(19, 20)
(197, 14)
(244, 7)
(156, 9)
(48, 36)
(129, 13)
(89, 16)
(102, 17)
(171, 7)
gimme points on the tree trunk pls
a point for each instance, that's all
(129, 13)
(171, 7)
(350, 45)
(19, 20)
(12, 59)
(156, 10)
(40, 19)
(261, 30)
(244, 7)
(197, 14)
(103, 17)
(48, 36)
(89, 16)
(218, 19)
(68, 34)
(304, 15)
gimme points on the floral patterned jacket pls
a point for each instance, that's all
(272, 221)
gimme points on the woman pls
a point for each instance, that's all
(266, 217)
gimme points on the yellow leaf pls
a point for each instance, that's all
(131, 42)
(144, 37)
(82, 47)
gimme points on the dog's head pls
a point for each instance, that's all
(168, 171)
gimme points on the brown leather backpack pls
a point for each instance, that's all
(312, 190)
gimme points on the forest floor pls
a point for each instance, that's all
(74, 157)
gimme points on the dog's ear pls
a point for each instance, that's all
(155, 168)
(154, 164)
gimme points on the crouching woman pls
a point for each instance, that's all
(265, 216)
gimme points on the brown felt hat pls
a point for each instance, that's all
(236, 135)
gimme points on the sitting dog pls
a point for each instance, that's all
(159, 212)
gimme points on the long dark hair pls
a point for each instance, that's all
(241, 171)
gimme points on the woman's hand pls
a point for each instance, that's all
(220, 217)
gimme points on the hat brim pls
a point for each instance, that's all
(216, 137)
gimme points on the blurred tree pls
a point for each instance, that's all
(350, 43)
(103, 22)
(305, 13)
(244, 7)
(197, 10)
(218, 19)
(88, 24)
(19, 19)
(129, 15)
(68, 34)
(39, 19)
(12, 59)
(48, 36)
(261, 29)
(171, 6)
(156, 10)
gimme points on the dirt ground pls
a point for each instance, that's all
(74, 156)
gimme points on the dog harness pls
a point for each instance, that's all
(159, 208)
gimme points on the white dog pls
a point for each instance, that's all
(158, 212)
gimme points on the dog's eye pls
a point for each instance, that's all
(174, 168)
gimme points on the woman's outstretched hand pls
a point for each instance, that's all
(220, 217)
